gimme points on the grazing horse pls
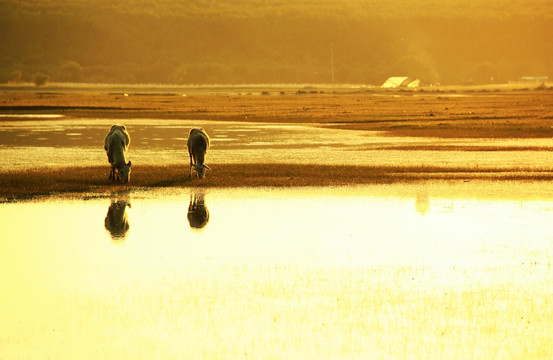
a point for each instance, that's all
(116, 144)
(198, 143)
(198, 214)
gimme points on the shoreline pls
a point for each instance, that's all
(30, 184)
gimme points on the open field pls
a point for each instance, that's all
(502, 124)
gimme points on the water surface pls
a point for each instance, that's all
(432, 270)
(51, 141)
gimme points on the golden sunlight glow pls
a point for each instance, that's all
(308, 272)
(277, 41)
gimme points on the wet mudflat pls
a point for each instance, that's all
(79, 142)
(428, 270)
(448, 127)
(49, 153)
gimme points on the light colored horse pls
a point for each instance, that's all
(116, 144)
(198, 143)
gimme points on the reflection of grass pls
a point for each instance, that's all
(402, 312)
(48, 181)
(373, 313)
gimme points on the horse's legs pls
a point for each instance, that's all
(112, 173)
(191, 164)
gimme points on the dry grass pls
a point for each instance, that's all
(505, 114)
(27, 184)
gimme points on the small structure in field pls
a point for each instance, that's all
(396, 82)
(534, 79)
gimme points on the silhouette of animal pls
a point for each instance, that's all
(198, 214)
(198, 143)
(116, 144)
(116, 221)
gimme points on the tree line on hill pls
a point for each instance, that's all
(86, 42)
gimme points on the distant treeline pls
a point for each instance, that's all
(279, 41)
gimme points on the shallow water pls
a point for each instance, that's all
(45, 141)
(436, 270)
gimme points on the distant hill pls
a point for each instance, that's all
(274, 41)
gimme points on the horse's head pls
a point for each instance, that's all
(124, 173)
(200, 169)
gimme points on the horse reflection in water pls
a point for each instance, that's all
(116, 221)
(198, 214)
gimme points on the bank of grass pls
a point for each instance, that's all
(28, 184)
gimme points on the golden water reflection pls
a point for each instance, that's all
(158, 142)
(392, 271)
(116, 221)
(198, 213)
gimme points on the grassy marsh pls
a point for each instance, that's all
(94, 179)
(446, 113)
